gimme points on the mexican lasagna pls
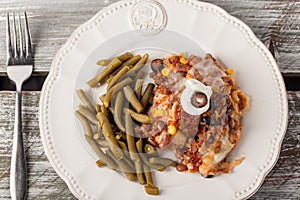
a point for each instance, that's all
(202, 142)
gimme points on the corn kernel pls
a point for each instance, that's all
(229, 71)
(158, 112)
(165, 71)
(172, 129)
(238, 136)
(189, 76)
(99, 163)
(183, 60)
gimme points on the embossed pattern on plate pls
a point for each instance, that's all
(148, 17)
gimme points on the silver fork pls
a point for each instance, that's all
(19, 68)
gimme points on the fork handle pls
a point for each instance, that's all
(18, 177)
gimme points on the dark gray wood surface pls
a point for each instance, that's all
(275, 22)
(53, 21)
(283, 182)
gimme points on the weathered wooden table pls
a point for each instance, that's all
(275, 22)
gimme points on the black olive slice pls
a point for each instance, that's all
(199, 100)
(157, 65)
(210, 176)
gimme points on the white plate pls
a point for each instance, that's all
(171, 26)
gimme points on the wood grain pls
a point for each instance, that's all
(52, 22)
(43, 181)
(276, 21)
(282, 183)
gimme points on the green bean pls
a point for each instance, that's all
(124, 57)
(137, 67)
(139, 172)
(115, 89)
(104, 110)
(150, 150)
(103, 157)
(109, 79)
(102, 97)
(104, 62)
(109, 136)
(137, 163)
(147, 94)
(80, 105)
(129, 162)
(129, 62)
(126, 154)
(117, 77)
(151, 190)
(113, 75)
(139, 147)
(118, 111)
(148, 176)
(131, 97)
(114, 64)
(121, 134)
(138, 87)
(102, 143)
(124, 147)
(163, 161)
(132, 60)
(97, 136)
(126, 158)
(98, 108)
(142, 118)
(86, 125)
(132, 150)
(99, 131)
(141, 62)
(140, 75)
(130, 73)
(88, 114)
(134, 76)
(125, 168)
(130, 138)
(85, 100)
(118, 137)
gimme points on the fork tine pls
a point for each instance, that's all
(8, 41)
(28, 44)
(21, 40)
(16, 55)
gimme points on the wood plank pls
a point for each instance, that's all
(277, 21)
(43, 181)
(282, 182)
(52, 22)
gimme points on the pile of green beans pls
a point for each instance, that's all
(123, 107)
